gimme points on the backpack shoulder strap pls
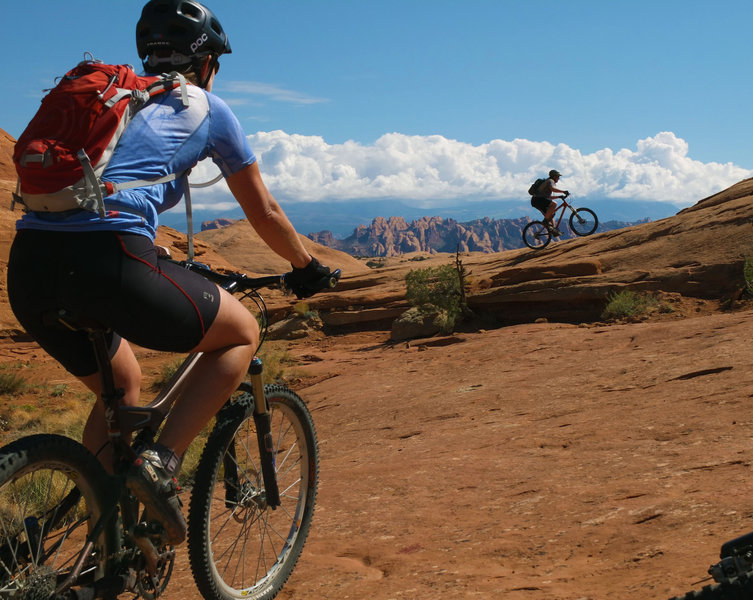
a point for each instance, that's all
(189, 220)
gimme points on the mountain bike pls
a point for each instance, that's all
(70, 530)
(733, 574)
(538, 234)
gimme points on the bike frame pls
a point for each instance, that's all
(565, 204)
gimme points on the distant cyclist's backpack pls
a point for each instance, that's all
(534, 189)
(64, 150)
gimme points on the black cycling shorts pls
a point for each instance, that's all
(114, 279)
(540, 203)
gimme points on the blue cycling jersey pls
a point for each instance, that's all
(164, 137)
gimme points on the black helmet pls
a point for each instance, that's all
(185, 27)
(554, 174)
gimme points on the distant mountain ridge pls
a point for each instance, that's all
(394, 236)
(341, 218)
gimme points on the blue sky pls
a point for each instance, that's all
(434, 101)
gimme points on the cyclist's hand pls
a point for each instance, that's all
(567, 193)
(309, 280)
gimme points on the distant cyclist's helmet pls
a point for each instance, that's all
(554, 174)
(179, 27)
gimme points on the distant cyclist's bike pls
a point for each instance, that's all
(583, 221)
(733, 574)
(68, 530)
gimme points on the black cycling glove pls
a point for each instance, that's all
(309, 280)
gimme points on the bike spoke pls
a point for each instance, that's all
(295, 464)
(287, 489)
(231, 551)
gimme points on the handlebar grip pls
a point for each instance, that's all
(326, 282)
(334, 278)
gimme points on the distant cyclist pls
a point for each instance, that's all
(542, 200)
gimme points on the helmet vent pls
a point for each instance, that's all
(190, 11)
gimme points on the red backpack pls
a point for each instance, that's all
(63, 151)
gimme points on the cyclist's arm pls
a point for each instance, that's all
(266, 216)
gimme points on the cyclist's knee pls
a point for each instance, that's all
(234, 325)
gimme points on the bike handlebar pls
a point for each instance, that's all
(240, 282)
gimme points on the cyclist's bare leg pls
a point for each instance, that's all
(228, 348)
(549, 214)
(127, 375)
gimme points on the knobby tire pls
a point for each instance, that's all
(238, 546)
(52, 490)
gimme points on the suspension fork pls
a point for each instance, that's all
(263, 421)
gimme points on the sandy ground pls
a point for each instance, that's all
(538, 461)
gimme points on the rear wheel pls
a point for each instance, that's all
(536, 235)
(52, 491)
(239, 546)
(583, 221)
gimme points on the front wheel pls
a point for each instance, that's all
(536, 235)
(583, 221)
(238, 545)
(52, 491)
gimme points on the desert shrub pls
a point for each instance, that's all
(375, 264)
(60, 417)
(277, 362)
(11, 383)
(630, 304)
(436, 289)
(58, 390)
(748, 274)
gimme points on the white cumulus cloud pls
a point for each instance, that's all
(432, 171)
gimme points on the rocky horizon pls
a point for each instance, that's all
(394, 236)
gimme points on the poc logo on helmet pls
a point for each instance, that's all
(199, 42)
